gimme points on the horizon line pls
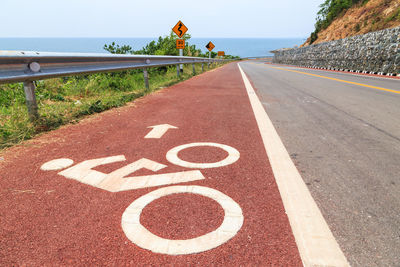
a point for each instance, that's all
(75, 37)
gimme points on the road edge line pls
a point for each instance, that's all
(316, 244)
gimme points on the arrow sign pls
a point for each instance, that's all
(159, 130)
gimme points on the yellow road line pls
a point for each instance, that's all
(339, 80)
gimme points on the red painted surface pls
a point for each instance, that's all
(341, 71)
(182, 216)
(47, 219)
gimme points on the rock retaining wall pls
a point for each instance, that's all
(374, 52)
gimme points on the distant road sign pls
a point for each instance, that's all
(180, 29)
(221, 53)
(180, 44)
(210, 46)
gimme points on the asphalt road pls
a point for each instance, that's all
(345, 140)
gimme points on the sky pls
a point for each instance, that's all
(152, 18)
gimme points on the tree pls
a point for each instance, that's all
(116, 49)
(163, 46)
(329, 11)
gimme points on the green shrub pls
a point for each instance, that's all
(314, 36)
(329, 11)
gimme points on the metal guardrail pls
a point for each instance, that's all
(19, 66)
(26, 67)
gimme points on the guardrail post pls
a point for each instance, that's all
(202, 67)
(181, 54)
(194, 69)
(146, 78)
(29, 88)
(177, 70)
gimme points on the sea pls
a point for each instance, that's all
(243, 47)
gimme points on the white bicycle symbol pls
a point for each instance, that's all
(133, 229)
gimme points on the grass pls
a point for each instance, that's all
(394, 16)
(66, 100)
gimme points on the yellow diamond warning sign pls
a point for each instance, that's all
(210, 46)
(180, 29)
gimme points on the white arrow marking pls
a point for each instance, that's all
(159, 130)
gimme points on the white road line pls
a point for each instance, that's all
(315, 241)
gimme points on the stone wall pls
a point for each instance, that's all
(375, 52)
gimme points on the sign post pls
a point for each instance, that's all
(180, 29)
(210, 46)
(181, 54)
(180, 44)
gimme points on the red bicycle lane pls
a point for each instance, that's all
(64, 215)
